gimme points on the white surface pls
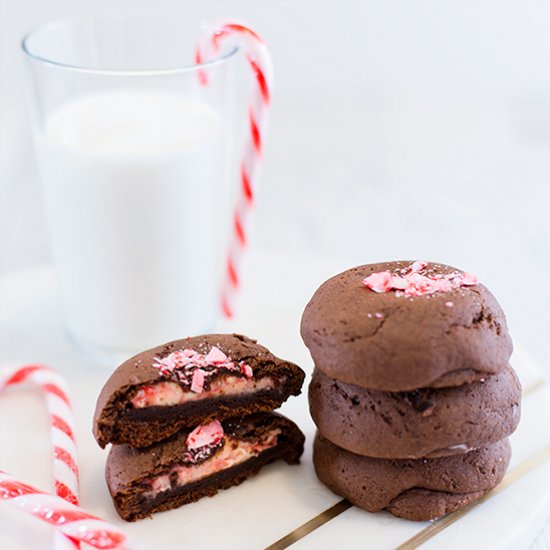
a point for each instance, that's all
(267, 507)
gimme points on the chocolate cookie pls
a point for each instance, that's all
(198, 463)
(400, 326)
(419, 490)
(429, 422)
(187, 382)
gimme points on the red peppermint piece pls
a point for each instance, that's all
(204, 435)
(469, 279)
(215, 356)
(197, 383)
(443, 285)
(246, 370)
(399, 283)
(419, 283)
(419, 265)
(379, 282)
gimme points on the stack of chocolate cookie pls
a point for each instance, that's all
(412, 393)
(191, 417)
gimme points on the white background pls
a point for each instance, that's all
(401, 130)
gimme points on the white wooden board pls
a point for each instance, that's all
(282, 497)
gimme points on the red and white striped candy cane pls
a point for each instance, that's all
(65, 469)
(72, 522)
(259, 59)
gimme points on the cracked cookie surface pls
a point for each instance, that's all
(391, 342)
(421, 489)
(429, 422)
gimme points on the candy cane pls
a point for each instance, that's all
(259, 60)
(73, 522)
(65, 467)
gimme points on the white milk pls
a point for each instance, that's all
(133, 192)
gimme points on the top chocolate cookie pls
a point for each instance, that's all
(398, 326)
(189, 382)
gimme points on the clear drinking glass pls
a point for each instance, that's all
(134, 156)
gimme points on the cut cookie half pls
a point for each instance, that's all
(188, 382)
(198, 463)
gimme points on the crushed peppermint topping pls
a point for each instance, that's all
(204, 441)
(195, 370)
(411, 281)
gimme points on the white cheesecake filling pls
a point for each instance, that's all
(168, 393)
(233, 452)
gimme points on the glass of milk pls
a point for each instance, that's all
(135, 161)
